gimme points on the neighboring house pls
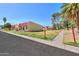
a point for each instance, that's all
(31, 26)
(23, 26)
(28, 26)
(49, 27)
(15, 27)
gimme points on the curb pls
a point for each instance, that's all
(42, 41)
(31, 38)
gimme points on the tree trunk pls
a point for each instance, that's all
(67, 26)
(73, 35)
(78, 22)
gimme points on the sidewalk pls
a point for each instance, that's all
(57, 42)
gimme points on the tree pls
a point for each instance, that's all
(71, 11)
(54, 19)
(66, 24)
(4, 20)
(7, 26)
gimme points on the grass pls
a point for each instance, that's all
(68, 39)
(72, 44)
(50, 34)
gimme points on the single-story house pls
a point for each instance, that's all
(28, 26)
(49, 27)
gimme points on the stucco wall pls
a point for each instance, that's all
(31, 26)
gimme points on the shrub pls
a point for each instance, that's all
(7, 26)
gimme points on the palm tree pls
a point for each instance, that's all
(65, 21)
(71, 11)
(54, 19)
(4, 20)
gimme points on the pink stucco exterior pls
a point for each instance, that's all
(28, 26)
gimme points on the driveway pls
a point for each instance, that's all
(12, 45)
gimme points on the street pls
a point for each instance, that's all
(11, 45)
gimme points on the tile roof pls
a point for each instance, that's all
(23, 24)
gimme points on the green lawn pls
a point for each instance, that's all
(68, 39)
(51, 34)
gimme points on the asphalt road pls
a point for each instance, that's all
(11, 45)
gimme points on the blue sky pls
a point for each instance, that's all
(36, 12)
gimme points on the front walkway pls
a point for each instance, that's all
(58, 42)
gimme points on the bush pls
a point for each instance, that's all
(7, 26)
